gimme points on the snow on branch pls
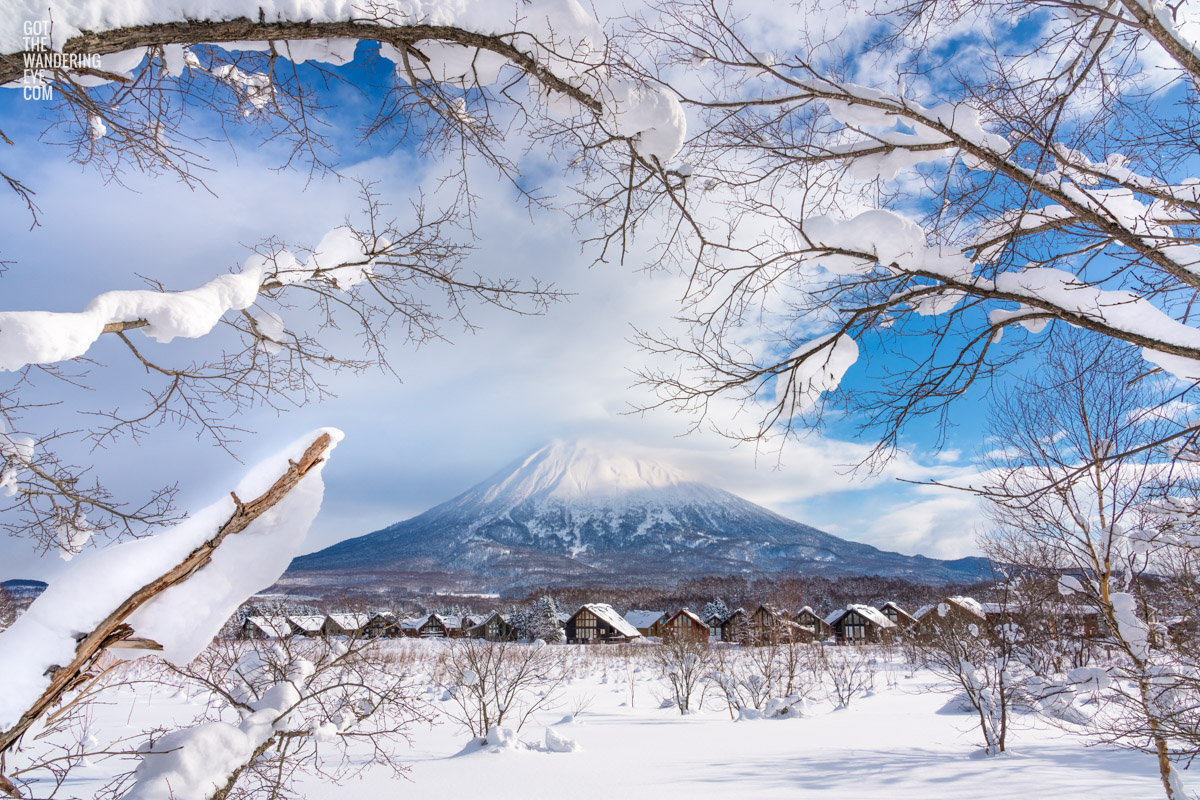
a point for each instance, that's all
(45, 337)
(556, 43)
(169, 593)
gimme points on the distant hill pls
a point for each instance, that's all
(574, 513)
(23, 589)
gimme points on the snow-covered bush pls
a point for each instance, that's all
(290, 711)
(848, 672)
(779, 674)
(490, 684)
(683, 663)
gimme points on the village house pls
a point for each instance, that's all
(957, 609)
(809, 619)
(714, 620)
(648, 623)
(770, 625)
(685, 625)
(899, 617)
(351, 625)
(599, 622)
(496, 628)
(266, 628)
(860, 624)
(307, 625)
(382, 625)
(736, 628)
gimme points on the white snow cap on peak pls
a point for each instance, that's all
(570, 470)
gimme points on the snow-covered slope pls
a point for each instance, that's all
(587, 511)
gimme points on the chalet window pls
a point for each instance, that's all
(854, 630)
(585, 627)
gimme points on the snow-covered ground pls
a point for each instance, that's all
(895, 742)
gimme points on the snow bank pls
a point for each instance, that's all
(557, 743)
(184, 618)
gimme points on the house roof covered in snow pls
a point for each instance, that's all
(892, 604)
(349, 622)
(869, 613)
(309, 623)
(683, 612)
(608, 614)
(967, 604)
(644, 619)
(412, 623)
(274, 627)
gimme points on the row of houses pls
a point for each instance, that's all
(431, 626)
(601, 623)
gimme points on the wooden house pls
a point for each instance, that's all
(648, 623)
(899, 617)
(351, 625)
(807, 618)
(266, 628)
(685, 625)
(496, 628)
(307, 625)
(435, 626)
(382, 625)
(771, 625)
(956, 609)
(714, 621)
(599, 622)
(860, 624)
(411, 627)
(736, 628)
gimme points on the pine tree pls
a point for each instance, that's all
(542, 622)
(715, 609)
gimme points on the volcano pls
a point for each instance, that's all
(586, 513)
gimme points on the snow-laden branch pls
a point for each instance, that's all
(45, 337)
(556, 43)
(169, 593)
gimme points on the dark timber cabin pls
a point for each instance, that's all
(859, 624)
(496, 628)
(771, 626)
(897, 615)
(685, 625)
(736, 628)
(809, 619)
(599, 622)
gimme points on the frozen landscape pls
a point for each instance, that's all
(877, 320)
(904, 738)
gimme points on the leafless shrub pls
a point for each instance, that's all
(499, 683)
(683, 663)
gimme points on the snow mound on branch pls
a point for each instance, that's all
(826, 360)
(184, 618)
(46, 337)
(559, 34)
(192, 763)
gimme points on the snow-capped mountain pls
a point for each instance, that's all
(588, 512)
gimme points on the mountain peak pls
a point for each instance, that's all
(582, 469)
(574, 511)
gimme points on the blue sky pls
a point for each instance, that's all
(461, 410)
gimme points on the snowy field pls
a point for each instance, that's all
(897, 740)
